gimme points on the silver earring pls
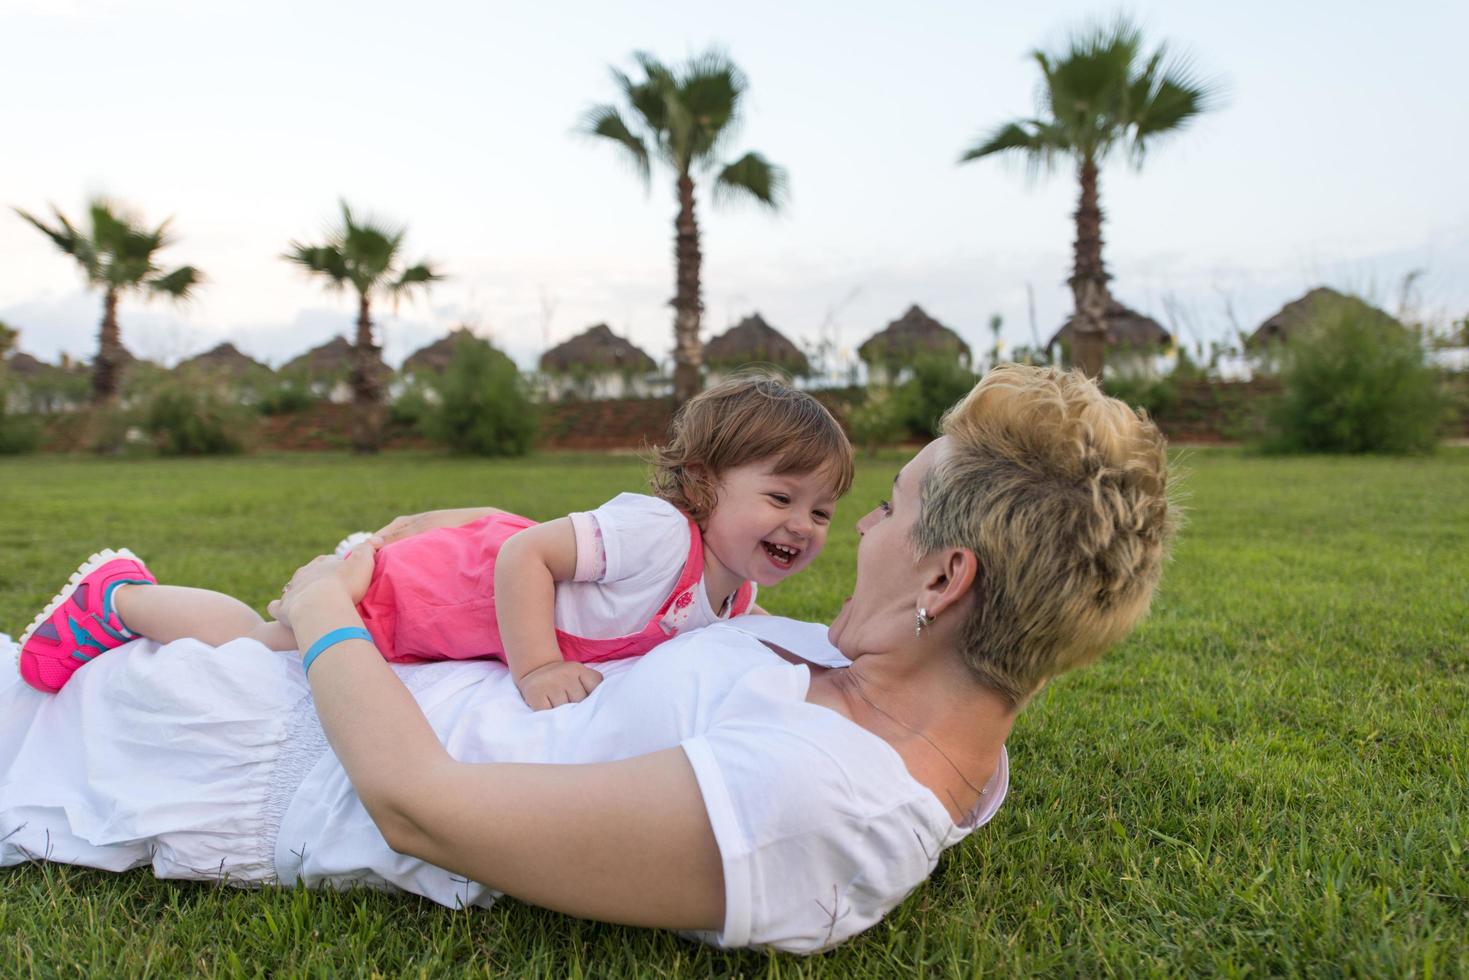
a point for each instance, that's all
(921, 619)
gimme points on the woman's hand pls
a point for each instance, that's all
(555, 684)
(350, 575)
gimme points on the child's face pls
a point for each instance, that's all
(766, 526)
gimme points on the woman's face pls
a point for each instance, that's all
(879, 615)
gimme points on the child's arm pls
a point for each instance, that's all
(526, 572)
(411, 524)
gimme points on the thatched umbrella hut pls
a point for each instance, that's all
(28, 373)
(226, 367)
(1323, 301)
(227, 360)
(24, 367)
(597, 363)
(753, 341)
(1127, 330)
(327, 368)
(913, 335)
(436, 357)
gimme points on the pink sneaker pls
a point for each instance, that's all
(80, 622)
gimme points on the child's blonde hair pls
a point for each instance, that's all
(746, 418)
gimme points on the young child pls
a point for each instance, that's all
(743, 494)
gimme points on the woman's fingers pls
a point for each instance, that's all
(357, 569)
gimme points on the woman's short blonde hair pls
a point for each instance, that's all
(1062, 495)
(744, 419)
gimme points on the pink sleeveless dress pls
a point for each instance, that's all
(432, 597)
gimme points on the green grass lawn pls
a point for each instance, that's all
(1269, 777)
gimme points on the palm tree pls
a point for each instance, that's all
(686, 116)
(366, 255)
(116, 256)
(1098, 94)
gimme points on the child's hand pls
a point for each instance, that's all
(555, 684)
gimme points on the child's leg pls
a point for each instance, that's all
(172, 612)
(276, 636)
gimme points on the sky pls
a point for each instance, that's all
(1336, 156)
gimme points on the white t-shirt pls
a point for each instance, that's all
(224, 774)
(821, 829)
(630, 552)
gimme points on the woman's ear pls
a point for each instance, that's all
(949, 575)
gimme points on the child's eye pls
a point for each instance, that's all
(821, 516)
(780, 498)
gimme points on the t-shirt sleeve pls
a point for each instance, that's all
(629, 536)
(816, 845)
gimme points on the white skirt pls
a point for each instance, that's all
(140, 761)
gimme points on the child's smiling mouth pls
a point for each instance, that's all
(782, 556)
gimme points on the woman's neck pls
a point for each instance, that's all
(948, 728)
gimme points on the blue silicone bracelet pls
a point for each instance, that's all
(332, 639)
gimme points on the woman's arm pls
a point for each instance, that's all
(626, 841)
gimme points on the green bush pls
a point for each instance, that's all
(19, 432)
(484, 407)
(412, 406)
(877, 422)
(195, 420)
(1355, 382)
(1154, 395)
(936, 383)
(286, 396)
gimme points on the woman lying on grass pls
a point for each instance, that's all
(759, 782)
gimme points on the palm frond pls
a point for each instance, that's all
(1099, 90)
(326, 261)
(417, 275)
(1035, 141)
(688, 115)
(178, 284)
(67, 239)
(648, 98)
(752, 177)
(709, 95)
(362, 250)
(1171, 98)
(605, 121)
(369, 247)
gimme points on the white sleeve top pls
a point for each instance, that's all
(208, 763)
(630, 552)
(820, 827)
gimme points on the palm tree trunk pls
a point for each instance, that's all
(366, 381)
(1089, 280)
(107, 371)
(688, 353)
